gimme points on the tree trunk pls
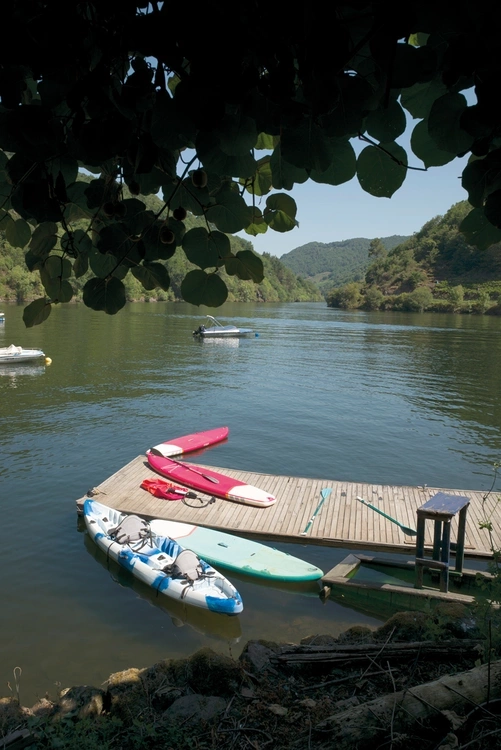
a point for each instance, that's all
(400, 713)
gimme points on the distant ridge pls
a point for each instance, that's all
(330, 264)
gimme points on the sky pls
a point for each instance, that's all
(329, 213)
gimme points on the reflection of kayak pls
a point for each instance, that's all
(189, 443)
(210, 624)
(238, 554)
(159, 561)
(210, 482)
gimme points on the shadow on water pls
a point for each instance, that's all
(222, 627)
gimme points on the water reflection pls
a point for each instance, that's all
(212, 624)
(20, 370)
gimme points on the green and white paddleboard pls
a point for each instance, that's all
(235, 553)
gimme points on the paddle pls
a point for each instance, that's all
(324, 494)
(405, 529)
(191, 468)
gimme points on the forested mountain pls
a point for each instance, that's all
(334, 263)
(435, 269)
(280, 284)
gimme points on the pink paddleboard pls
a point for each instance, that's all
(188, 443)
(200, 479)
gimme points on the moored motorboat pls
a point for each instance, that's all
(218, 330)
(159, 561)
(13, 354)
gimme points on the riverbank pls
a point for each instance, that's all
(362, 688)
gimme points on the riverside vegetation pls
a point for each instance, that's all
(434, 270)
(280, 284)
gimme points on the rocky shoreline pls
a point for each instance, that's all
(362, 690)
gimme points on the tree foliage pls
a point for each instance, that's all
(220, 117)
(435, 269)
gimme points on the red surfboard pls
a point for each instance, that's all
(210, 481)
(188, 443)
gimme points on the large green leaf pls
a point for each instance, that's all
(246, 265)
(237, 134)
(81, 266)
(201, 288)
(380, 173)
(184, 194)
(418, 99)
(343, 165)
(77, 207)
(107, 295)
(266, 142)
(102, 265)
(482, 177)
(198, 248)
(444, 124)
(386, 123)
(478, 230)
(257, 224)
(229, 214)
(36, 312)
(58, 267)
(262, 181)
(58, 290)
(492, 208)
(76, 243)
(284, 175)
(280, 212)
(115, 240)
(216, 160)
(426, 149)
(306, 146)
(44, 238)
(18, 233)
(152, 275)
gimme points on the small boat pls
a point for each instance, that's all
(211, 624)
(10, 354)
(218, 330)
(189, 443)
(210, 482)
(2, 317)
(238, 554)
(159, 561)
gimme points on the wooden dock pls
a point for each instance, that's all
(341, 522)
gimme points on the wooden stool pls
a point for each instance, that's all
(441, 508)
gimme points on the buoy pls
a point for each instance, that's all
(48, 361)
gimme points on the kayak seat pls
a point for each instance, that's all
(189, 568)
(131, 529)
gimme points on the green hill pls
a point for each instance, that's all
(334, 263)
(280, 283)
(435, 269)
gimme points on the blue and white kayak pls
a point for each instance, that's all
(159, 561)
(238, 554)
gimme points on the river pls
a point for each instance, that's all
(394, 398)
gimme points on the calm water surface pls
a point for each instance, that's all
(369, 397)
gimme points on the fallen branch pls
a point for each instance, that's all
(362, 726)
(369, 652)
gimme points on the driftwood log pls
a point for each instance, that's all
(437, 705)
(338, 655)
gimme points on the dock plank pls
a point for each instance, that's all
(342, 521)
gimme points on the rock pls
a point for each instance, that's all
(192, 709)
(256, 655)
(356, 634)
(405, 626)
(79, 702)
